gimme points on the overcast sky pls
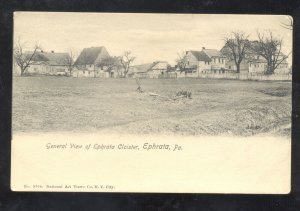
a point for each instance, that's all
(150, 37)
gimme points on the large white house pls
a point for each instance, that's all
(206, 60)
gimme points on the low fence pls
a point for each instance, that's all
(240, 76)
(248, 76)
(153, 75)
(226, 75)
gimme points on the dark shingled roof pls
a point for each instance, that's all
(201, 56)
(89, 55)
(50, 58)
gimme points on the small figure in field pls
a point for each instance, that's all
(139, 89)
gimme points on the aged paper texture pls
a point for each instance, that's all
(167, 103)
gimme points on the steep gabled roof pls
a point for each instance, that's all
(89, 55)
(157, 63)
(201, 56)
(142, 67)
(213, 53)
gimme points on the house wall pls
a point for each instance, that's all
(204, 67)
(157, 71)
(90, 67)
(192, 60)
(257, 67)
(159, 68)
(86, 73)
(38, 69)
(282, 69)
(82, 73)
(244, 66)
(218, 62)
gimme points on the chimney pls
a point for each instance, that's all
(52, 51)
(203, 48)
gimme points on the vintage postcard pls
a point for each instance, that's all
(165, 103)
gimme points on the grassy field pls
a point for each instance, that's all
(217, 107)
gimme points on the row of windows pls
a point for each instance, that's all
(261, 65)
(221, 61)
(256, 65)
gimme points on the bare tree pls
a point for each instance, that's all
(182, 62)
(288, 24)
(270, 48)
(238, 45)
(126, 60)
(24, 59)
(70, 60)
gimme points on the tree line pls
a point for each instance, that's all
(239, 48)
(24, 59)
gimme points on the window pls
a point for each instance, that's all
(230, 67)
(219, 60)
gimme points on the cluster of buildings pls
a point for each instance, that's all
(203, 61)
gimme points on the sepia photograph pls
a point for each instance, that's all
(205, 91)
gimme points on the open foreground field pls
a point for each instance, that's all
(217, 107)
